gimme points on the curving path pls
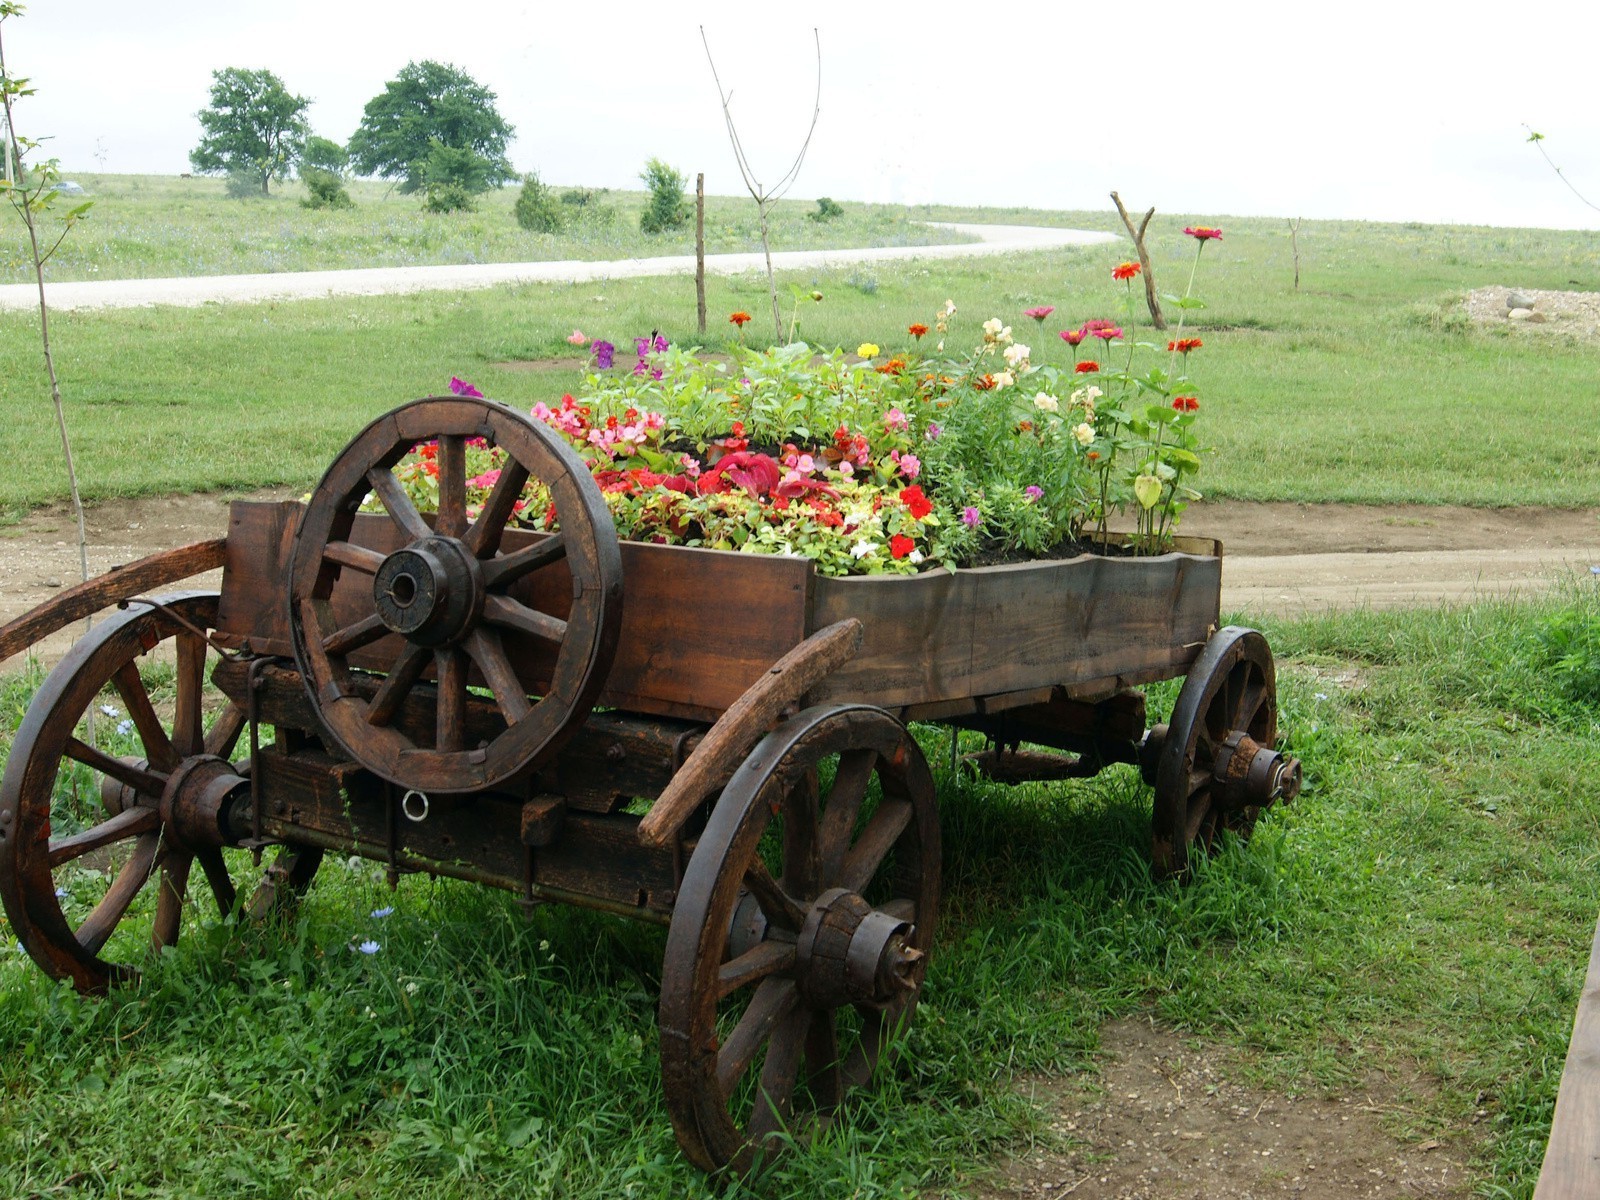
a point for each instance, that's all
(374, 281)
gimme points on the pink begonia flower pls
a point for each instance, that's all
(896, 420)
(578, 338)
(487, 480)
(910, 465)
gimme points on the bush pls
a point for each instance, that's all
(326, 188)
(536, 209)
(1570, 644)
(447, 198)
(667, 208)
(457, 166)
(827, 210)
(583, 197)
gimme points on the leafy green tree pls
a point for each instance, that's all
(324, 154)
(253, 125)
(666, 208)
(427, 106)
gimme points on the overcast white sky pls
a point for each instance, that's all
(1393, 111)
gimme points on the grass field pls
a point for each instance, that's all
(1367, 385)
(1425, 907)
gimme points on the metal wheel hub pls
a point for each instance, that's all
(195, 805)
(1249, 774)
(431, 592)
(851, 953)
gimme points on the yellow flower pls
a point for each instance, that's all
(867, 350)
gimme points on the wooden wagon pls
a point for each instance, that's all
(724, 752)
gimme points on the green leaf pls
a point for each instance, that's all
(1147, 490)
(1190, 302)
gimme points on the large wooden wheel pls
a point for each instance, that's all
(800, 936)
(450, 595)
(100, 833)
(1215, 767)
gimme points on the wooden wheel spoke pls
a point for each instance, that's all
(781, 1072)
(1199, 810)
(397, 685)
(844, 807)
(485, 648)
(188, 731)
(224, 735)
(216, 869)
(169, 900)
(510, 614)
(129, 823)
(102, 922)
(140, 780)
(823, 1068)
(506, 569)
(779, 907)
(452, 517)
(902, 908)
(755, 964)
(158, 746)
(450, 728)
(774, 999)
(358, 558)
(397, 504)
(802, 861)
(1251, 698)
(352, 637)
(880, 835)
(483, 539)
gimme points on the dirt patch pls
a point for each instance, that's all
(1573, 313)
(1279, 558)
(1166, 1119)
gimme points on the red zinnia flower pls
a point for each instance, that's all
(1184, 345)
(739, 318)
(1072, 336)
(1203, 233)
(918, 504)
(900, 545)
(916, 330)
(1125, 270)
(1086, 367)
(1185, 403)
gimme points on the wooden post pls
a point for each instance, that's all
(700, 248)
(1294, 240)
(1150, 300)
(1571, 1167)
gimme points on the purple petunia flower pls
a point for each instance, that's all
(660, 344)
(1033, 492)
(970, 517)
(460, 387)
(604, 352)
(641, 345)
(933, 431)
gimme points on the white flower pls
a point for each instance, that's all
(1003, 379)
(915, 556)
(862, 549)
(991, 327)
(411, 988)
(949, 308)
(1017, 355)
(1045, 402)
(111, 710)
(1084, 433)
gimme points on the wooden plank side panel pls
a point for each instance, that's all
(1571, 1168)
(698, 626)
(994, 631)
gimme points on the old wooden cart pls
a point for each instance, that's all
(726, 754)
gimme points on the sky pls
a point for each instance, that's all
(1399, 111)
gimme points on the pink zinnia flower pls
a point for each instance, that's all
(1203, 233)
(1040, 313)
(1072, 336)
(1108, 332)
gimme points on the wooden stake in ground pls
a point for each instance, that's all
(766, 199)
(1137, 235)
(700, 250)
(1294, 240)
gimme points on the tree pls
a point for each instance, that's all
(430, 105)
(666, 209)
(254, 126)
(324, 154)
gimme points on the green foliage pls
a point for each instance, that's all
(324, 154)
(827, 210)
(537, 209)
(667, 209)
(456, 168)
(447, 198)
(253, 125)
(326, 189)
(242, 185)
(1569, 641)
(427, 106)
(583, 197)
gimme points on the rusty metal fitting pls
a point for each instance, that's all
(1249, 774)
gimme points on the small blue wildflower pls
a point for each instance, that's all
(369, 947)
(380, 913)
(61, 893)
(125, 726)
(111, 710)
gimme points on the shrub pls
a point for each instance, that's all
(1570, 642)
(536, 209)
(666, 209)
(827, 210)
(583, 197)
(446, 198)
(326, 189)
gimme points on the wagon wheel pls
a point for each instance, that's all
(800, 936)
(450, 595)
(1214, 764)
(150, 797)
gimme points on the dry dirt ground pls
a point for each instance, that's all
(1165, 1119)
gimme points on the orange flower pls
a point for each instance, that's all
(916, 330)
(893, 367)
(1185, 403)
(1125, 270)
(739, 318)
(1086, 367)
(1184, 345)
(983, 383)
